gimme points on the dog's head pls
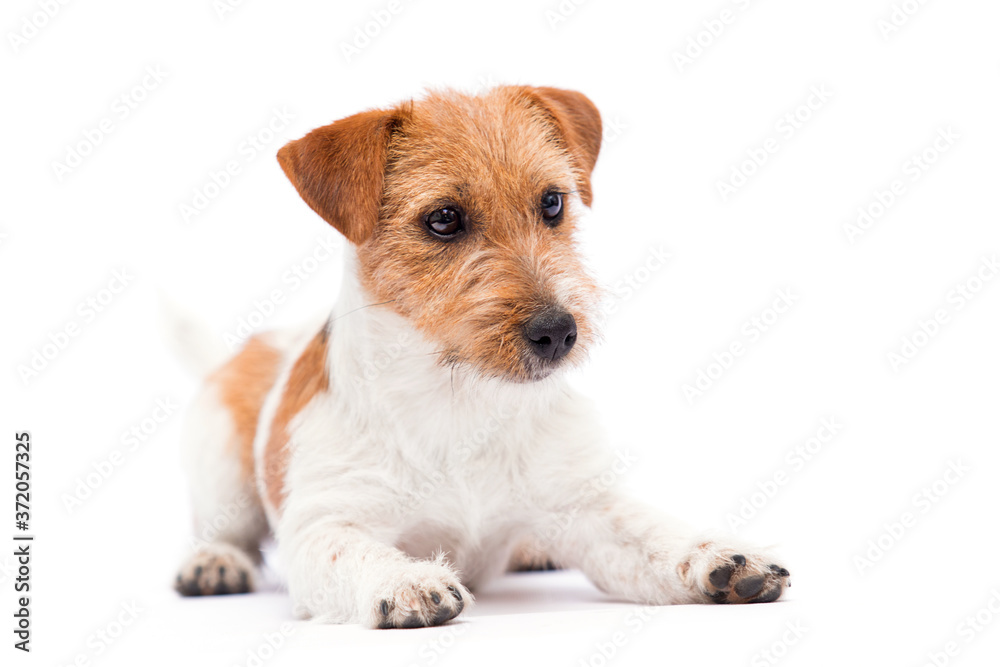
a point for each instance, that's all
(463, 209)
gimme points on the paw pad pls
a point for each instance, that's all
(736, 581)
(216, 570)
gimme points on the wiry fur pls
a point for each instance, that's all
(411, 444)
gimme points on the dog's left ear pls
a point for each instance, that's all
(339, 169)
(579, 122)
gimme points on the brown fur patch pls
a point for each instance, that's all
(493, 157)
(307, 378)
(243, 385)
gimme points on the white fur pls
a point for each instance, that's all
(407, 473)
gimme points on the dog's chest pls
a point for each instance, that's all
(474, 528)
(472, 506)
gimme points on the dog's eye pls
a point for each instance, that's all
(552, 206)
(445, 222)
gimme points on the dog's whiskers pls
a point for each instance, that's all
(370, 305)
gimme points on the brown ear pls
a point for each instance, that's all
(579, 123)
(338, 170)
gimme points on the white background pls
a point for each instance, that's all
(674, 131)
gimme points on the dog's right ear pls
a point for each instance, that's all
(339, 170)
(579, 124)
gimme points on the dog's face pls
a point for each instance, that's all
(462, 211)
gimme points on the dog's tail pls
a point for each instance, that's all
(195, 345)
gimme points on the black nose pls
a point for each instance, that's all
(551, 333)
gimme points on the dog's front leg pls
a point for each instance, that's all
(341, 573)
(631, 550)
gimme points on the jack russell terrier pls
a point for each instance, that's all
(393, 493)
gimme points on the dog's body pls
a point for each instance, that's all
(422, 437)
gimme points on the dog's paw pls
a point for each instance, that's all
(529, 557)
(418, 595)
(730, 576)
(216, 569)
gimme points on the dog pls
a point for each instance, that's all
(392, 491)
